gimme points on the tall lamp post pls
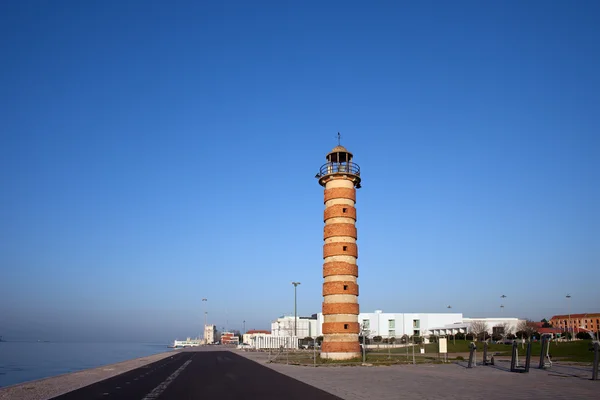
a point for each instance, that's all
(453, 334)
(244, 326)
(295, 310)
(204, 330)
(568, 297)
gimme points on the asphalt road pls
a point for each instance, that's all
(199, 375)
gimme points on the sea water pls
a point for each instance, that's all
(26, 361)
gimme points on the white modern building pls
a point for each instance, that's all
(267, 341)
(493, 326)
(396, 325)
(305, 326)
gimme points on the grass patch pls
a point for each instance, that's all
(577, 350)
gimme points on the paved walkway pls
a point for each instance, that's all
(437, 381)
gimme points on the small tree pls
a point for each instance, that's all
(460, 336)
(404, 339)
(582, 335)
(479, 329)
(377, 339)
(545, 323)
(526, 329)
(391, 340)
(319, 340)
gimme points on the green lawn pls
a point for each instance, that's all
(577, 350)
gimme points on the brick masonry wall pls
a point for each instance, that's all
(339, 268)
(338, 288)
(340, 308)
(337, 210)
(337, 249)
(339, 230)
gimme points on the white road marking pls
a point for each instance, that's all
(154, 394)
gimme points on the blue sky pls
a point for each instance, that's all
(156, 153)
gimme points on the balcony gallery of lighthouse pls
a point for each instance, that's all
(340, 176)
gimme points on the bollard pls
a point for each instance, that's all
(596, 361)
(514, 356)
(528, 358)
(472, 348)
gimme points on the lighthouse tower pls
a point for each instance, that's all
(340, 177)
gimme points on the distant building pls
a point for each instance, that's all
(305, 326)
(496, 326)
(251, 335)
(396, 325)
(210, 332)
(189, 342)
(229, 338)
(576, 322)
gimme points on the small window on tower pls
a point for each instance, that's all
(345, 326)
(345, 287)
(344, 210)
(345, 248)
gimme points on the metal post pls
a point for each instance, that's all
(472, 348)
(295, 310)
(315, 352)
(543, 352)
(204, 331)
(485, 349)
(568, 296)
(513, 358)
(364, 347)
(528, 357)
(596, 361)
(413, 350)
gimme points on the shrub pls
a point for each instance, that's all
(582, 335)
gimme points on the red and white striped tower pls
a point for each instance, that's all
(341, 177)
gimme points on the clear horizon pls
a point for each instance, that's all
(155, 154)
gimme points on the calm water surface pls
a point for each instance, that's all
(23, 361)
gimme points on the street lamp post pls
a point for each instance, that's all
(204, 330)
(568, 297)
(295, 309)
(244, 326)
(453, 334)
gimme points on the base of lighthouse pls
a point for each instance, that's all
(341, 356)
(340, 350)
